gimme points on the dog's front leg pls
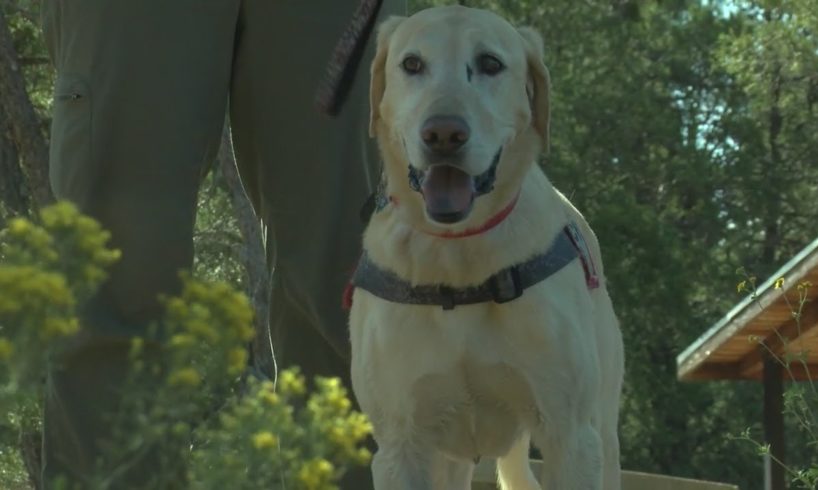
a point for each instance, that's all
(402, 467)
(399, 468)
(573, 460)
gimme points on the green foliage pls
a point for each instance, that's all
(46, 269)
(24, 22)
(183, 407)
(216, 238)
(300, 451)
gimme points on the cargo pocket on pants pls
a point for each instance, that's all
(71, 169)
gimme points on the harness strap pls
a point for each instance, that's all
(506, 285)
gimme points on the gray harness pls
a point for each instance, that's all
(506, 285)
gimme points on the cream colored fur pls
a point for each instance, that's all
(445, 387)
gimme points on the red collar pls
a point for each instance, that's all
(489, 224)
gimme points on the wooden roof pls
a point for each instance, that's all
(732, 349)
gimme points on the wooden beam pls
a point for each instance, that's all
(710, 372)
(773, 424)
(797, 371)
(753, 363)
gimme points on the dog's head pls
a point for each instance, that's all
(457, 94)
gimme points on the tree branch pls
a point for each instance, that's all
(25, 124)
(12, 181)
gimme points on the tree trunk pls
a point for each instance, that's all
(21, 140)
(23, 120)
(253, 258)
(30, 444)
(12, 183)
(772, 174)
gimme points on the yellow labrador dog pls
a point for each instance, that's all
(480, 320)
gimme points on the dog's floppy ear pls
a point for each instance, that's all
(377, 82)
(538, 85)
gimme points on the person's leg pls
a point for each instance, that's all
(307, 174)
(139, 106)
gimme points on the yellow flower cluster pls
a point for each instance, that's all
(290, 383)
(49, 266)
(6, 349)
(236, 360)
(185, 377)
(316, 474)
(208, 327)
(345, 430)
(279, 436)
(85, 237)
(34, 244)
(265, 440)
(268, 396)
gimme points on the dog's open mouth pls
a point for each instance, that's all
(449, 192)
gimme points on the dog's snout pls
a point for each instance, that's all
(445, 134)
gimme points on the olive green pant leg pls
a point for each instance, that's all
(139, 105)
(307, 174)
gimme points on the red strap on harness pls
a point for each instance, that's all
(591, 276)
(346, 299)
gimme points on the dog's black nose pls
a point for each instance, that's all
(445, 134)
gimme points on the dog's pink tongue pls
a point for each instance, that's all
(448, 192)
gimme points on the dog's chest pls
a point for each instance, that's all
(476, 409)
(466, 381)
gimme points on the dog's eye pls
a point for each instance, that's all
(489, 65)
(412, 65)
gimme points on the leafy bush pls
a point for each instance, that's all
(186, 407)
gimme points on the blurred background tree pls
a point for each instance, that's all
(686, 131)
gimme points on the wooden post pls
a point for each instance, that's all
(773, 424)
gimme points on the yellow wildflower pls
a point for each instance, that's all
(236, 360)
(182, 340)
(289, 382)
(185, 377)
(779, 283)
(61, 213)
(6, 349)
(362, 456)
(268, 396)
(316, 474)
(338, 401)
(56, 327)
(176, 307)
(359, 426)
(265, 440)
(338, 435)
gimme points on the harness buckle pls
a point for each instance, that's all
(506, 285)
(446, 297)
